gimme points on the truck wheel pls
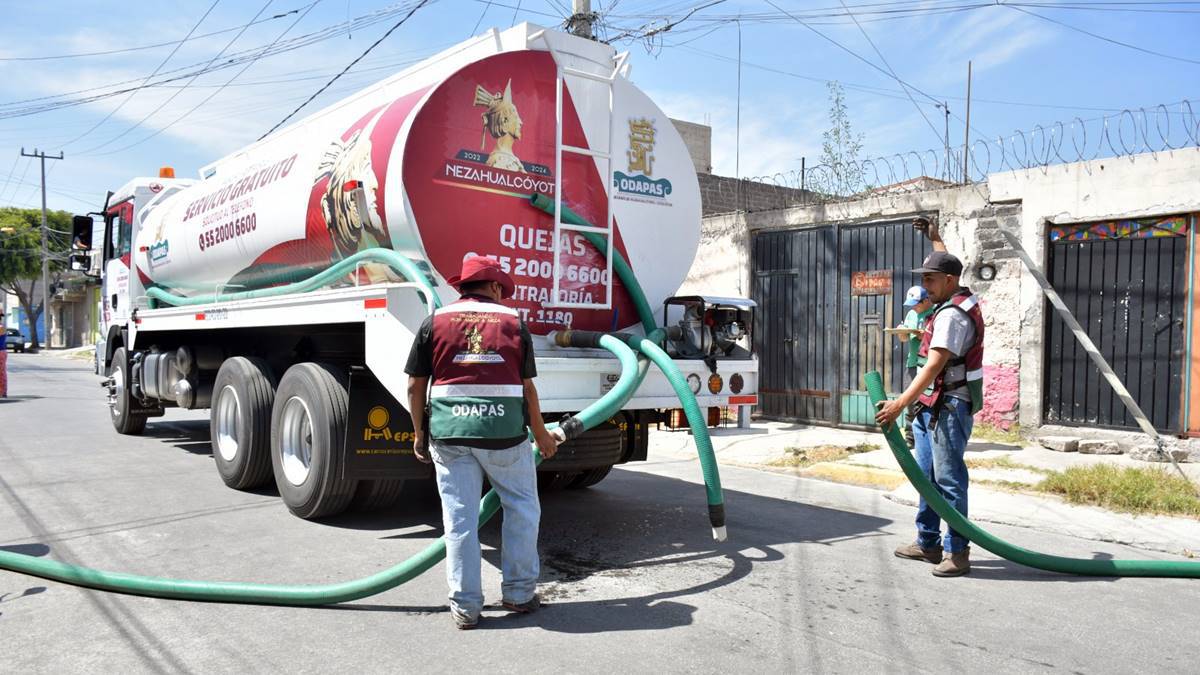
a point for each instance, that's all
(120, 402)
(589, 478)
(240, 422)
(553, 481)
(308, 426)
(373, 495)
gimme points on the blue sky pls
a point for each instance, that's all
(1027, 71)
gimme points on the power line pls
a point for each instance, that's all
(54, 101)
(11, 171)
(24, 172)
(348, 67)
(480, 20)
(148, 77)
(891, 70)
(219, 89)
(1098, 36)
(180, 91)
(869, 63)
(156, 45)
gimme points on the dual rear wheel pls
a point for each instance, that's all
(294, 431)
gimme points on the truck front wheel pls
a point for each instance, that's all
(308, 426)
(240, 422)
(120, 401)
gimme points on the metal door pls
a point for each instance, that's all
(870, 255)
(793, 284)
(1126, 283)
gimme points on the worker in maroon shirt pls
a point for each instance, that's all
(479, 356)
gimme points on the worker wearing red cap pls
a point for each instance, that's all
(475, 356)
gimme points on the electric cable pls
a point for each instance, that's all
(157, 68)
(348, 67)
(156, 45)
(1098, 36)
(179, 91)
(49, 102)
(891, 70)
(214, 93)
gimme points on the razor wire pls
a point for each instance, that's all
(1129, 133)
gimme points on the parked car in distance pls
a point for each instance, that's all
(16, 341)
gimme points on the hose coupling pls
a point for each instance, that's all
(716, 517)
(572, 427)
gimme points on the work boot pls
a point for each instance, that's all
(915, 551)
(529, 606)
(463, 622)
(958, 564)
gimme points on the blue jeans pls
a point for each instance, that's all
(460, 471)
(940, 456)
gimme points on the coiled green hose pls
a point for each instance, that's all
(326, 594)
(632, 373)
(968, 529)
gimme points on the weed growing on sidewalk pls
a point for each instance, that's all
(798, 458)
(1127, 489)
(990, 432)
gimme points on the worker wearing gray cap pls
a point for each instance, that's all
(949, 388)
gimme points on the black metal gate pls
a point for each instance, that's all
(815, 334)
(879, 249)
(1126, 283)
(793, 286)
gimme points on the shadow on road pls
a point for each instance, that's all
(188, 435)
(19, 399)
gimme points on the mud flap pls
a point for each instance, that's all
(379, 433)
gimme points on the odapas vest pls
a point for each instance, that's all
(477, 389)
(966, 302)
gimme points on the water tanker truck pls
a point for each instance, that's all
(282, 288)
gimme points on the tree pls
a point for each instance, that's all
(21, 257)
(841, 148)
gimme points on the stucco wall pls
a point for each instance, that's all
(1142, 185)
(1023, 202)
(969, 227)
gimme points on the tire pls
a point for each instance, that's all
(601, 446)
(589, 478)
(308, 422)
(120, 401)
(553, 481)
(374, 495)
(240, 422)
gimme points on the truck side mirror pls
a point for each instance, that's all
(80, 262)
(81, 233)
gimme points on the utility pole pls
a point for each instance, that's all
(580, 21)
(946, 109)
(45, 246)
(967, 130)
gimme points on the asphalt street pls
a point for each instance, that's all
(806, 583)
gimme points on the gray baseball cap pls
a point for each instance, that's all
(940, 261)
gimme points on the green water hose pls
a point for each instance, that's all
(407, 268)
(691, 408)
(633, 370)
(650, 348)
(968, 529)
(620, 265)
(325, 594)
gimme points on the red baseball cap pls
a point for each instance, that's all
(484, 268)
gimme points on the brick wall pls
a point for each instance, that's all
(721, 194)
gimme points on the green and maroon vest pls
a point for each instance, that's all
(477, 389)
(968, 303)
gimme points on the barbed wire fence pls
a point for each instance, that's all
(1125, 134)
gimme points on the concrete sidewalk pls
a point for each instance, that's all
(768, 445)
